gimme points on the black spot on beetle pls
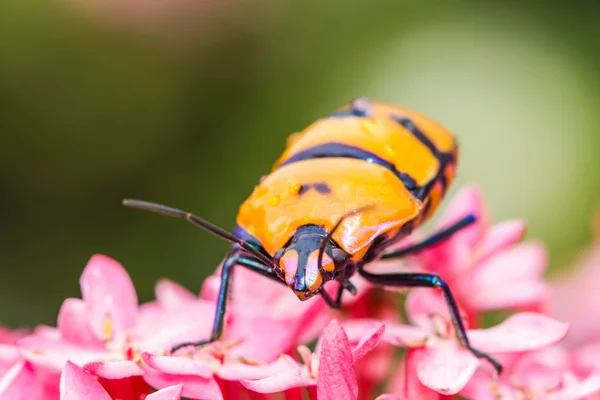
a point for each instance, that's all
(322, 187)
(303, 189)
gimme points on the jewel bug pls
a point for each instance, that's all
(345, 189)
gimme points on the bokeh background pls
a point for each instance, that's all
(189, 102)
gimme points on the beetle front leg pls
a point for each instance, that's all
(234, 258)
(337, 303)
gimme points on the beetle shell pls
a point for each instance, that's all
(396, 160)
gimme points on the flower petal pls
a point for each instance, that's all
(113, 369)
(168, 393)
(337, 379)
(446, 367)
(468, 200)
(422, 303)
(510, 279)
(579, 390)
(405, 381)
(390, 397)
(519, 332)
(178, 365)
(404, 335)
(73, 324)
(19, 383)
(109, 296)
(194, 387)
(238, 371)
(9, 354)
(53, 353)
(500, 236)
(159, 329)
(575, 297)
(369, 340)
(171, 295)
(76, 384)
(289, 375)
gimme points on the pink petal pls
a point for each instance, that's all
(9, 354)
(422, 303)
(482, 387)
(585, 358)
(370, 339)
(19, 383)
(159, 329)
(11, 336)
(406, 382)
(278, 383)
(404, 335)
(390, 397)
(446, 367)
(194, 387)
(178, 365)
(239, 372)
(579, 390)
(54, 353)
(499, 237)
(510, 279)
(468, 201)
(575, 297)
(171, 295)
(210, 288)
(337, 379)
(543, 369)
(519, 332)
(289, 375)
(109, 296)
(168, 393)
(73, 324)
(76, 384)
(113, 369)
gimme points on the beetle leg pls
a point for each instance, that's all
(234, 258)
(432, 281)
(337, 303)
(433, 239)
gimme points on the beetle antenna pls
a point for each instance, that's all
(199, 222)
(327, 238)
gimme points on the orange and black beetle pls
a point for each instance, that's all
(345, 189)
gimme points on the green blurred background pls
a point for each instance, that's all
(189, 103)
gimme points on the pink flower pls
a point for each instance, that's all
(330, 368)
(252, 295)
(105, 331)
(483, 264)
(576, 298)
(17, 380)
(264, 320)
(19, 383)
(107, 334)
(76, 384)
(441, 363)
(9, 353)
(551, 374)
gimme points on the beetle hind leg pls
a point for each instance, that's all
(433, 281)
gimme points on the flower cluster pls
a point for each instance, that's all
(108, 346)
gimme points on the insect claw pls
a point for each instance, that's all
(195, 344)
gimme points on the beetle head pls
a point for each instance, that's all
(297, 264)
